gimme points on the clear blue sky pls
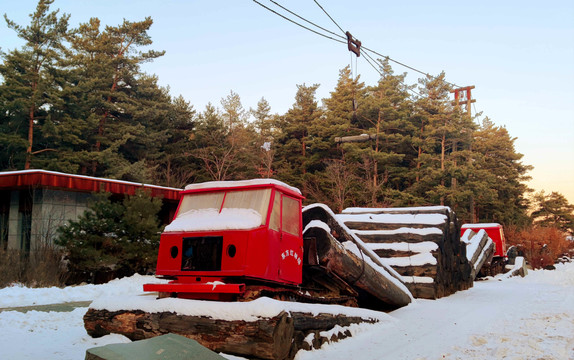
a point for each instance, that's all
(518, 54)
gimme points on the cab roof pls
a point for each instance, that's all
(242, 184)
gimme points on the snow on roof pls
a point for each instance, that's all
(240, 183)
(480, 226)
(426, 219)
(212, 219)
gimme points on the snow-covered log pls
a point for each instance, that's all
(274, 337)
(518, 269)
(479, 249)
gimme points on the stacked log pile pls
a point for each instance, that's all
(479, 250)
(422, 244)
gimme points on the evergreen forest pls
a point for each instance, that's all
(76, 100)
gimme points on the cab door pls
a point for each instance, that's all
(291, 243)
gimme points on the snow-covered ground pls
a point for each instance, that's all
(517, 318)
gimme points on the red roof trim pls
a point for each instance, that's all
(53, 179)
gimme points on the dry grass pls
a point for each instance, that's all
(41, 267)
(540, 245)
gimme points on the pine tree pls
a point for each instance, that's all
(553, 210)
(264, 125)
(435, 119)
(294, 138)
(114, 236)
(29, 87)
(108, 63)
(226, 153)
(498, 176)
(385, 115)
(174, 165)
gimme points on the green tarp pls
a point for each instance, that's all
(165, 347)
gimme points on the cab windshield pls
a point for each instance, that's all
(257, 199)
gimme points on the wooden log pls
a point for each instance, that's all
(389, 253)
(421, 270)
(266, 338)
(360, 225)
(407, 237)
(423, 290)
(356, 138)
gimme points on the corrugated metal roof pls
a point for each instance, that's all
(58, 180)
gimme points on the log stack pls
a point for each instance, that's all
(422, 244)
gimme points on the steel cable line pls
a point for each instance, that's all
(309, 22)
(405, 65)
(296, 23)
(368, 56)
(340, 28)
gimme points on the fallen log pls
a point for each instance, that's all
(358, 272)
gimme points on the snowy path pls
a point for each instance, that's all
(519, 318)
(530, 318)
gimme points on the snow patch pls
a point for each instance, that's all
(317, 224)
(231, 311)
(414, 260)
(402, 230)
(426, 219)
(424, 246)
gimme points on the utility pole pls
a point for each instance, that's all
(463, 96)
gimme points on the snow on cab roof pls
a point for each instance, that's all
(480, 226)
(240, 183)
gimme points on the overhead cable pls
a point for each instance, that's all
(338, 40)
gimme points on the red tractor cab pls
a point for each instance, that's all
(494, 231)
(227, 234)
